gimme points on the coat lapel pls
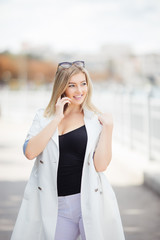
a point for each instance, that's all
(88, 115)
(55, 138)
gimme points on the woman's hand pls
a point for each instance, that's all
(103, 153)
(60, 106)
(106, 120)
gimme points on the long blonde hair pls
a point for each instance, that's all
(61, 81)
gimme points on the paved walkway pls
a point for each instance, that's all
(139, 206)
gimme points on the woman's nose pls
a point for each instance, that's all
(79, 89)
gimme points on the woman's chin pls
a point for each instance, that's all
(77, 103)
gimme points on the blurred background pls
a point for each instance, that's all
(119, 41)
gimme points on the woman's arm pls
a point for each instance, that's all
(37, 143)
(103, 153)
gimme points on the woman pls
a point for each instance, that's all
(68, 196)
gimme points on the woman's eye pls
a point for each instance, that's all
(72, 85)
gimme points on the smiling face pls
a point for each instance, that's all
(77, 88)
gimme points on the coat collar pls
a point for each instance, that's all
(88, 115)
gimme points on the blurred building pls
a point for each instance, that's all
(118, 63)
(35, 66)
(150, 67)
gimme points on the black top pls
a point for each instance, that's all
(72, 147)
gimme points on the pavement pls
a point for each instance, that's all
(139, 204)
(133, 179)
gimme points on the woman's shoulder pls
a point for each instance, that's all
(40, 111)
(39, 114)
(97, 114)
(43, 121)
(95, 120)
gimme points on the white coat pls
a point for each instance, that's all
(39, 208)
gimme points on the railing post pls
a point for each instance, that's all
(131, 91)
(148, 124)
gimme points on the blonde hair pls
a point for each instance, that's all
(61, 81)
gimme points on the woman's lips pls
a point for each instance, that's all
(78, 97)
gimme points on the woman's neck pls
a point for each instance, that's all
(72, 109)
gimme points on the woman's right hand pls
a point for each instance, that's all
(60, 106)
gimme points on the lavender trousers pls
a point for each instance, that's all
(69, 222)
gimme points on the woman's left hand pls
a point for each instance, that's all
(106, 120)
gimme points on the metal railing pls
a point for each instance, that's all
(136, 115)
(136, 118)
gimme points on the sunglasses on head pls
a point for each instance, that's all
(69, 64)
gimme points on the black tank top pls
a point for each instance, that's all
(72, 146)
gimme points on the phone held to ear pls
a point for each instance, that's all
(63, 95)
(66, 105)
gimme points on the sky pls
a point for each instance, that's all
(80, 25)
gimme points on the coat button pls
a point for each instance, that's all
(41, 161)
(96, 190)
(39, 188)
(101, 192)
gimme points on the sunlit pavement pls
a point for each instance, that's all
(139, 206)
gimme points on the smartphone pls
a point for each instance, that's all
(66, 105)
(63, 95)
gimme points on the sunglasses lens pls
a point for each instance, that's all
(68, 64)
(65, 65)
(79, 63)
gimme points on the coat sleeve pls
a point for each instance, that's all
(99, 129)
(35, 127)
(24, 146)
